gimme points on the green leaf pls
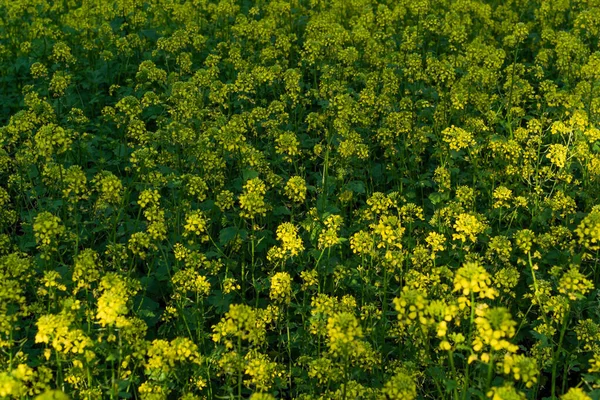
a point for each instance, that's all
(228, 234)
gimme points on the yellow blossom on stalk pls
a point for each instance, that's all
(281, 288)
(521, 368)
(494, 327)
(38, 70)
(343, 331)
(189, 280)
(75, 184)
(468, 226)
(295, 189)
(110, 189)
(557, 154)
(224, 200)
(362, 243)
(163, 356)
(502, 196)
(261, 370)
(56, 330)
(241, 321)
(287, 144)
(59, 83)
(196, 224)
(252, 200)
(197, 187)
(390, 230)
(574, 284)
(401, 386)
(472, 278)
(588, 332)
(152, 391)
(588, 230)
(436, 241)
(310, 279)
(594, 364)
(379, 203)
(52, 139)
(86, 269)
(411, 307)
(505, 392)
(230, 285)
(458, 138)
(112, 304)
(287, 234)
(149, 197)
(329, 236)
(575, 394)
(47, 229)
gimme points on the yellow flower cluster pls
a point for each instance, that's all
(588, 230)
(291, 243)
(458, 138)
(502, 196)
(390, 230)
(55, 329)
(468, 226)
(328, 237)
(224, 200)
(149, 197)
(495, 327)
(163, 356)
(557, 154)
(47, 229)
(262, 371)
(400, 386)
(473, 279)
(189, 280)
(521, 368)
(86, 269)
(281, 288)
(362, 243)
(243, 322)
(295, 189)
(574, 284)
(252, 200)
(112, 303)
(196, 224)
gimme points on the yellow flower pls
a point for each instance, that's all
(468, 226)
(557, 154)
(295, 189)
(588, 230)
(575, 394)
(505, 392)
(502, 196)
(494, 327)
(473, 278)
(362, 243)
(252, 200)
(281, 288)
(196, 224)
(574, 284)
(458, 138)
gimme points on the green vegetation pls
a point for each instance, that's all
(299, 199)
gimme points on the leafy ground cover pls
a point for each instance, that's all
(307, 199)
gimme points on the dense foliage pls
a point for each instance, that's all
(307, 199)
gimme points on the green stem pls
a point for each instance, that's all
(563, 330)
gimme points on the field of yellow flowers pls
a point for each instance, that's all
(300, 199)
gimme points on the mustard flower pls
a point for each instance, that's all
(281, 288)
(295, 189)
(252, 200)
